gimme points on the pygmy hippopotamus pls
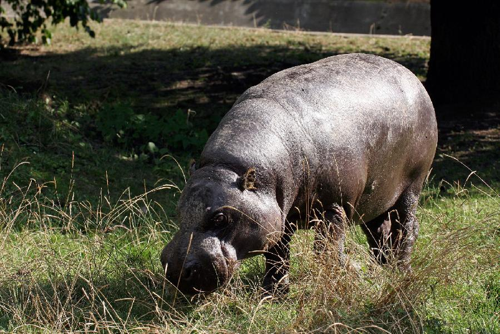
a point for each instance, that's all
(348, 139)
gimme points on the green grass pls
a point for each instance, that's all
(85, 211)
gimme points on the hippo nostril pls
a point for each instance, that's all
(188, 273)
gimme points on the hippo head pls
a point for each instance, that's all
(224, 217)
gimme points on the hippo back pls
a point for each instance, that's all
(352, 129)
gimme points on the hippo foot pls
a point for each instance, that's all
(275, 289)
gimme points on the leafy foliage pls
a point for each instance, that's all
(32, 16)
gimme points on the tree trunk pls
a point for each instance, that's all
(464, 65)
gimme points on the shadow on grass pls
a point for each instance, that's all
(208, 81)
(469, 146)
(157, 80)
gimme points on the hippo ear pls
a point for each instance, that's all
(248, 180)
(192, 167)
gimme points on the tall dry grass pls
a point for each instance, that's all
(95, 268)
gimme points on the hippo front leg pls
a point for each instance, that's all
(276, 280)
(330, 233)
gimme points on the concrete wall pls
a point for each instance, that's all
(344, 16)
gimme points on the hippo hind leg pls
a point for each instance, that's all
(391, 235)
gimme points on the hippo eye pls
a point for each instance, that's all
(219, 219)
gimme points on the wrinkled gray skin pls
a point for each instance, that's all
(349, 138)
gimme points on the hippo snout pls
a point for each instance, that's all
(203, 267)
(193, 278)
